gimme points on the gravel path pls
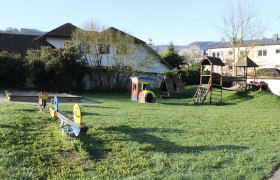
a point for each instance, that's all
(275, 176)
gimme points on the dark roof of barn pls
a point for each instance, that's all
(208, 60)
(115, 30)
(139, 41)
(19, 43)
(245, 62)
(260, 42)
(64, 30)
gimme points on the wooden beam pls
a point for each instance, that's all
(201, 71)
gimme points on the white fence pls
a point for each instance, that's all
(273, 85)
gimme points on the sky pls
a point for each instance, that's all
(163, 21)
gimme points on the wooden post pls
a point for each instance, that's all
(245, 74)
(236, 75)
(201, 71)
(254, 75)
(221, 85)
(211, 75)
(211, 81)
(221, 76)
(210, 95)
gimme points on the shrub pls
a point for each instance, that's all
(190, 75)
(59, 69)
(12, 71)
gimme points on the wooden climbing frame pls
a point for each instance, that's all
(209, 80)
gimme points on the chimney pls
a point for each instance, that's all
(275, 37)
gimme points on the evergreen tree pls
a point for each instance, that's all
(171, 56)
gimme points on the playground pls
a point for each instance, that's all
(170, 138)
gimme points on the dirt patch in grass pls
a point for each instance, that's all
(68, 156)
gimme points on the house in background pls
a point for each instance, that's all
(59, 36)
(19, 43)
(265, 53)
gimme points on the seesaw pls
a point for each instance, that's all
(70, 126)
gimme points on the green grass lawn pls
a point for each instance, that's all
(170, 139)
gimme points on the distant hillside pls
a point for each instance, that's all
(202, 44)
(161, 48)
(27, 31)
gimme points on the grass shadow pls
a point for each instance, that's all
(229, 99)
(157, 144)
(176, 103)
(244, 95)
(70, 113)
(32, 110)
(238, 97)
(190, 91)
(207, 103)
(190, 103)
(94, 147)
(101, 107)
(90, 114)
(5, 126)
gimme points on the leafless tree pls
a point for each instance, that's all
(192, 54)
(242, 27)
(111, 52)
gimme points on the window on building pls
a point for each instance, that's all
(104, 49)
(218, 54)
(262, 52)
(230, 67)
(230, 53)
(214, 54)
(277, 51)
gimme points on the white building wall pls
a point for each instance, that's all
(153, 68)
(225, 56)
(153, 64)
(56, 42)
(271, 60)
